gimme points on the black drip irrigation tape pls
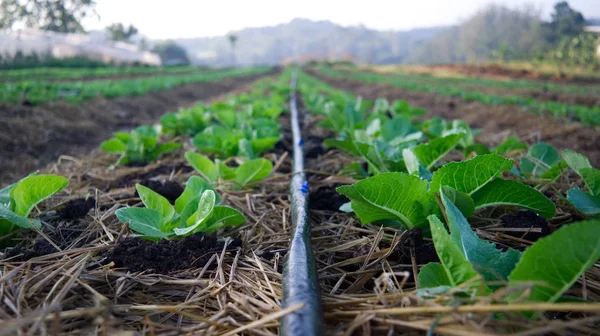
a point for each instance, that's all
(300, 280)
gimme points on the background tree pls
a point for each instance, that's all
(118, 32)
(171, 53)
(62, 16)
(232, 40)
(566, 22)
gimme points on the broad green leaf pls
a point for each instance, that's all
(143, 220)
(576, 161)
(584, 202)
(155, 201)
(462, 201)
(194, 188)
(225, 172)
(206, 204)
(492, 263)
(17, 220)
(554, 172)
(253, 170)
(5, 194)
(114, 146)
(470, 175)
(430, 153)
(512, 144)
(397, 127)
(395, 196)
(433, 275)
(506, 192)
(222, 216)
(263, 144)
(555, 262)
(591, 177)
(457, 267)
(202, 165)
(245, 149)
(32, 190)
(540, 158)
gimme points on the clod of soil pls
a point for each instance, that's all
(526, 220)
(39, 248)
(424, 251)
(169, 189)
(326, 198)
(165, 256)
(77, 208)
(313, 147)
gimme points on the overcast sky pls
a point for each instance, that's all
(160, 19)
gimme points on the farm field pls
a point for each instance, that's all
(165, 204)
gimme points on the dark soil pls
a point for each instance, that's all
(169, 189)
(504, 120)
(424, 251)
(77, 208)
(526, 220)
(40, 248)
(326, 198)
(165, 256)
(33, 136)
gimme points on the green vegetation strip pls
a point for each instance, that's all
(37, 74)
(77, 92)
(405, 185)
(587, 115)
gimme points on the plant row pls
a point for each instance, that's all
(230, 135)
(77, 92)
(37, 74)
(494, 83)
(585, 114)
(409, 181)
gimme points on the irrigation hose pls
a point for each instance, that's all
(300, 280)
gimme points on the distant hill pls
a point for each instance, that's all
(306, 39)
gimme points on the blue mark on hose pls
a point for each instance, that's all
(301, 142)
(304, 188)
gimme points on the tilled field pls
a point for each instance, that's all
(33, 136)
(497, 122)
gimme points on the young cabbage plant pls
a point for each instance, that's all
(542, 162)
(138, 146)
(247, 173)
(409, 199)
(17, 201)
(188, 121)
(586, 202)
(196, 210)
(547, 269)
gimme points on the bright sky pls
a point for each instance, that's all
(160, 19)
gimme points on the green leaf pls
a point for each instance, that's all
(194, 188)
(114, 146)
(411, 161)
(17, 220)
(457, 267)
(263, 144)
(512, 144)
(395, 196)
(463, 202)
(202, 165)
(252, 171)
(503, 192)
(224, 171)
(584, 202)
(155, 201)
(32, 190)
(489, 261)
(433, 275)
(591, 177)
(143, 220)
(165, 148)
(222, 216)
(206, 204)
(470, 175)
(430, 153)
(245, 149)
(554, 263)
(540, 158)
(576, 161)
(5, 194)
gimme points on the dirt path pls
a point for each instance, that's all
(497, 122)
(31, 137)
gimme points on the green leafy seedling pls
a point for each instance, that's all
(196, 210)
(247, 173)
(18, 200)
